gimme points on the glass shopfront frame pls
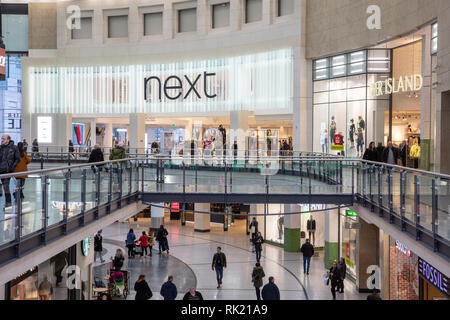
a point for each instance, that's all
(342, 102)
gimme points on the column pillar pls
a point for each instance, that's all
(93, 126)
(366, 253)
(425, 106)
(62, 129)
(136, 131)
(157, 216)
(302, 115)
(384, 264)
(108, 136)
(331, 237)
(188, 130)
(202, 220)
(292, 228)
(238, 131)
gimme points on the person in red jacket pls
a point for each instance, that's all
(144, 242)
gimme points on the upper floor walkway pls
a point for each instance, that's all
(60, 200)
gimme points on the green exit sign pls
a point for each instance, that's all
(350, 213)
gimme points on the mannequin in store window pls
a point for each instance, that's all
(351, 133)
(324, 140)
(269, 142)
(360, 142)
(280, 223)
(414, 153)
(311, 227)
(332, 129)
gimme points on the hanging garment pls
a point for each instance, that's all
(414, 153)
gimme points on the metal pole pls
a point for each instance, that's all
(83, 194)
(402, 198)
(417, 203)
(339, 232)
(44, 217)
(434, 214)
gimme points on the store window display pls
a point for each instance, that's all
(311, 227)
(332, 128)
(414, 153)
(351, 133)
(324, 138)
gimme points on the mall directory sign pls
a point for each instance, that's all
(433, 276)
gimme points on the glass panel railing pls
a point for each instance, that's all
(104, 180)
(410, 201)
(396, 196)
(56, 190)
(425, 202)
(8, 211)
(385, 179)
(32, 204)
(91, 188)
(443, 208)
(75, 180)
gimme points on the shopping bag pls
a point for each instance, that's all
(325, 279)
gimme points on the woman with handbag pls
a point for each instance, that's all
(334, 276)
(143, 291)
(257, 279)
(131, 237)
(117, 262)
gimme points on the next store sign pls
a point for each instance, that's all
(433, 276)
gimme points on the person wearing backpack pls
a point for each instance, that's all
(257, 279)
(143, 291)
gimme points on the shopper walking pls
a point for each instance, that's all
(390, 154)
(333, 277)
(117, 261)
(9, 159)
(253, 227)
(270, 291)
(117, 153)
(143, 291)
(71, 148)
(192, 294)
(131, 238)
(34, 148)
(168, 289)
(98, 246)
(308, 251)
(218, 263)
(342, 268)
(144, 243)
(151, 241)
(258, 245)
(96, 156)
(161, 237)
(22, 167)
(25, 145)
(371, 153)
(257, 279)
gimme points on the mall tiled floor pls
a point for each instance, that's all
(190, 262)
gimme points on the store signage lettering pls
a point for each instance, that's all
(400, 246)
(86, 246)
(2, 61)
(434, 276)
(392, 85)
(175, 91)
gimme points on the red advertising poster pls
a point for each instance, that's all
(174, 205)
(2, 62)
(337, 139)
(347, 250)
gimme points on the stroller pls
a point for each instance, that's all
(138, 249)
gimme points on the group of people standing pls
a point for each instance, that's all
(146, 242)
(389, 154)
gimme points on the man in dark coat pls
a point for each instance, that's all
(9, 159)
(98, 246)
(259, 240)
(308, 251)
(342, 267)
(390, 154)
(270, 290)
(219, 262)
(161, 237)
(96, 156)
(380, 150)
(192, 294)
(169, 290)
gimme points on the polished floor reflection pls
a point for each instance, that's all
(190, 262)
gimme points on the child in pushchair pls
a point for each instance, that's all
(138, 249)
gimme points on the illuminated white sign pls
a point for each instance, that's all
(392, 85)
(44, 127)
(400, 246)
(2, 61)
